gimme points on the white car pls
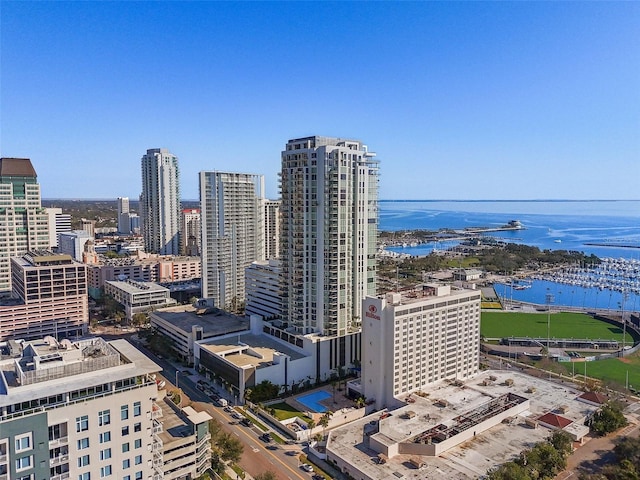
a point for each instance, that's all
(306, 467)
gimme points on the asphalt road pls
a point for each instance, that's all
(258, 457)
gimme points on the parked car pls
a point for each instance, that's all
(306, 467)
(246, 422)
(266, 437)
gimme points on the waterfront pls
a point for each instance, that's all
(552, 225)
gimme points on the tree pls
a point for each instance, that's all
(310, 426)
(230, 448)
(268, 475)
(509, 471)
(139, 319)
(608, 419)
(324, 420)
(562, 442)
(360, 402)
(265, 390)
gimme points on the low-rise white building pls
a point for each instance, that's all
(185, 325)
(138, 297)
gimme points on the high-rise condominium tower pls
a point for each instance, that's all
(329, 214)
(124, 223)
(25, 224)
(160, 202)
(232, 234)
(271, 229)
(190, 231)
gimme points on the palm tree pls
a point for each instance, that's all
(324, 420)
(360, 402)
(310, 426)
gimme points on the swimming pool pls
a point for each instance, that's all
(311, 401)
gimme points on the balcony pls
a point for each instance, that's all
(58, 460)
(56, 442)
(62, 476)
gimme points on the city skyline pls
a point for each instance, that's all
(476, 100)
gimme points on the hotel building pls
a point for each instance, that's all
(81, 410)
(232, 233)
(415, 338)
(160, 202)
(25, 223)
(329, 214)
(49, 297)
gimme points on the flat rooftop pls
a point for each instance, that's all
(133, 286)
(214, 322)
(177, 424)
(442, 404)
(247, 350)
(46, 368)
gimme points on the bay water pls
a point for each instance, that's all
(584, 226)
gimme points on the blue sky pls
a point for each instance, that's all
(469, 100)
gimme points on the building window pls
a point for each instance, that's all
(126, 464)
(138, 459)
(105, 454)
(83, 443)
(137, 427)
(82, 423)
(138, 443)
(23, 442)
(124, 412)
(105, 437)
(105, 471)
(104, 417)
(125, 430)
(83, 461)
(138, 475)
(84, 476)
(137, 409)
(23, 463)
(125, 447)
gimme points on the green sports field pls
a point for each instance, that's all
(563, 325)
(611, 369)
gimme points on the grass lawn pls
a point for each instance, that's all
(613, 369)
(283, 411)
(563, 325)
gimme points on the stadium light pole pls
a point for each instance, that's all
(549, 301)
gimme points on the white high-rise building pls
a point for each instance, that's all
(412, 339)
(190, 232)
(160, 202)
(329, 214)
(124, 223)
(25, 223)
(58, 222)
(232, 233)
(271, 229)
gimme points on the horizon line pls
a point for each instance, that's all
(396, 199)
